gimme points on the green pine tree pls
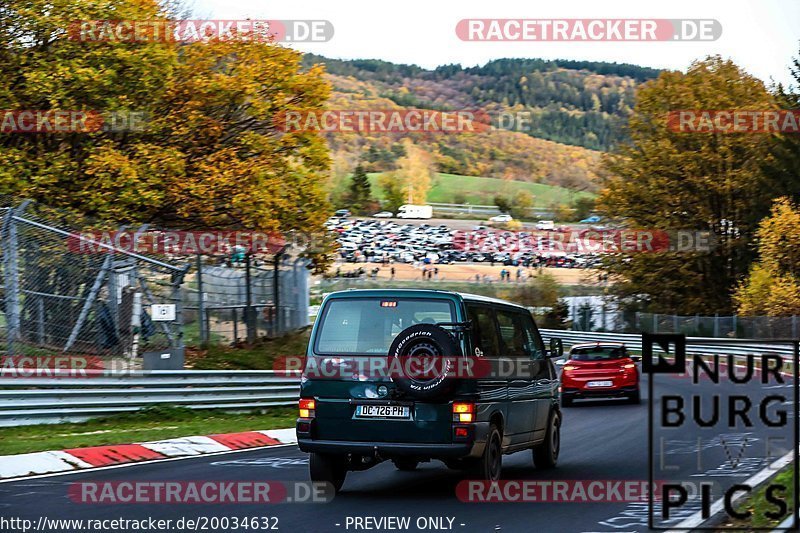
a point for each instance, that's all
(360, 193)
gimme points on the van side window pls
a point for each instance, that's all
(536, 339)
(515, 340)
(484, 331)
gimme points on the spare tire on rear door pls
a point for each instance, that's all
(422, 358)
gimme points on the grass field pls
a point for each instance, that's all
(477, 190)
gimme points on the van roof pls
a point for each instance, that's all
(467, 297)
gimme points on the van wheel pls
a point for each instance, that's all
(489, 466)
(545, 455)
(328, 469)
(406, 464)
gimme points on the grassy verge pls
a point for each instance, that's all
(145, 425)
(758, 505)
(256, 357)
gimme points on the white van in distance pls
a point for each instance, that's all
(415, 211)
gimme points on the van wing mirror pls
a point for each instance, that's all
(556, 348)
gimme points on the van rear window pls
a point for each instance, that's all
(367, 326)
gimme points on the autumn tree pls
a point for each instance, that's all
(394, 191)
(211, 153)
(415, 171)
(671, 180)
(773, 286)
(521, 204)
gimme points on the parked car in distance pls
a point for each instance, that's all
(600, 370)
(349, 421)
(342, 213)
(383, 214)
(594, 219)
(545, 225)
(501, 218)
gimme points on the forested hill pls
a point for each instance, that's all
(581, 103)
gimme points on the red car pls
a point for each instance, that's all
(600, 370)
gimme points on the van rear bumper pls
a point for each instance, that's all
(470, 447)
(389, 449)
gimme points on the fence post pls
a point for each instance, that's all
(40, 319)
(276, 289)
(235, 326)
(734, 320)
(655, 322)
(11, 270)
(177, 281)
(794, 326)
(201, 303)
(249, 318)
(716, 324)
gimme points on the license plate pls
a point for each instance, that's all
(382, 411)
(599, 383)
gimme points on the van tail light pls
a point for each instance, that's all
(463, 412)
(307, 408)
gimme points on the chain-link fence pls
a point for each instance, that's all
(229, 302)
(63, 290)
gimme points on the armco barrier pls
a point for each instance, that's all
(51, 400)
(699, 345)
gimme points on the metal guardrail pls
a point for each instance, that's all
(26, 401)
(699, 345)
(69, 399)
(484, 210)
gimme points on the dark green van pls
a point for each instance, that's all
(494, 392)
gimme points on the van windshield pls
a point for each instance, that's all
(367, 326)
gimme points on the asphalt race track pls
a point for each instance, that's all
(601, 440)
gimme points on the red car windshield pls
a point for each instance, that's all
(598, 353)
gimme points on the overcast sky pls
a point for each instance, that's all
(760, 35)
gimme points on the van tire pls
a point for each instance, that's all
(405, 464)
(545, 454)
(424, 340)
(327, 468)
(489, 466)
